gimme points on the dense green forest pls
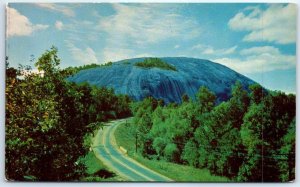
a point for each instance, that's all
(155, 62)
(48, 119)
(251, 137)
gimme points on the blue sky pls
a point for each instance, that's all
(257, 40)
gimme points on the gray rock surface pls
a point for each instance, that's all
(138, 83)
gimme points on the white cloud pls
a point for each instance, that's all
(229, 50)
(140, 25)
(57, 8)
(82, 56)
(275, 24)
(259, 59)
(115, 54)
(209, 50)
(59, 25)
(20, 25)
(260, 50)
(144, 55)
(176, 46)
(148, 23)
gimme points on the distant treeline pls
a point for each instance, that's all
(251, 137)
(155, 62)
(88, 66)
(47, 119)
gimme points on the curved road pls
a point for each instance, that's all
(105, 149)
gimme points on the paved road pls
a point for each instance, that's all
(105, 149)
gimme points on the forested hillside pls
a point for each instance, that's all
(250, 137)
(48, 119)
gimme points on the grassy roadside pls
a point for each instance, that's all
(174, 171)
(95, 169)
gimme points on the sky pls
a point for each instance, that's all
(256, 40)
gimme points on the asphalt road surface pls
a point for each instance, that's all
(106, 149)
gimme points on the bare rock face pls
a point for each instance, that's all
(137, 82)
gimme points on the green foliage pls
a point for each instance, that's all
(124, 137)
(88, 66)
(190, 155)
(257, 93)
(92, 163)
(47, 119)
(74, 70)
(288, 151)
(206, 99)
(95, 170)
(240, 138)
(238, 104)
(142, 121)
(155, 62)
(265, 133)
(171, 152)
(185, 98)
(181, 173)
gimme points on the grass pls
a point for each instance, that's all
(95, 169)
(92, 164)
(180, 173)
(174, 171)
(125, 138)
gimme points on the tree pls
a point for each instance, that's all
(287, 153)
(48, 117)
(190, 153)
(206, 99)
(143, 123)
(257, 93)
(238, 105)
(250, 137)
(35, 131)
(263, 133)
(185, 98)
(171, 152)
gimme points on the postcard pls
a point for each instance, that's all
(150, 92)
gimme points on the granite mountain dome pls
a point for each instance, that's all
(139, 82)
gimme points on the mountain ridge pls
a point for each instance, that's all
(137, 82)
